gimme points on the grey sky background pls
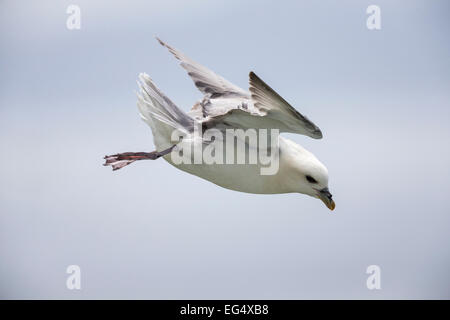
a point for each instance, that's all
(67, 98)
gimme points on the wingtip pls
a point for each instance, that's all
(317, 134)
(253, 78)
(160, 41)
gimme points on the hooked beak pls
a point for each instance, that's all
(326, 198)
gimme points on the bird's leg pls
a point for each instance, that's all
(121, 160)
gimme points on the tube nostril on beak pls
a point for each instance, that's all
(327, 198)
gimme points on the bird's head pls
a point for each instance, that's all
(308, 175)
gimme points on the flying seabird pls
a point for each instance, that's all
(226, 107)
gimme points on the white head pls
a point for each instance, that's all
(305, 173)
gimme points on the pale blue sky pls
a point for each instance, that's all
(67, 98)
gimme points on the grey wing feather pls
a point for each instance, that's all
(264, 109)
(226, 102)
(267, 100)
(208, 82)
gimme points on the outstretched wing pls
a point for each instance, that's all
(226, 103)
(204, 79)
(263, 109)
(265, 99)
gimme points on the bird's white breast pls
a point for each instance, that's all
(238, 177)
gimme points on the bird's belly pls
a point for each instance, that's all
(238, 177)
(251, 176)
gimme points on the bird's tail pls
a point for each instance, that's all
(161, 114)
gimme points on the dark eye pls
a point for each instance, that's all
(311, 179)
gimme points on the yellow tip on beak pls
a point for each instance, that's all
(331, 205)
(326, 198)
